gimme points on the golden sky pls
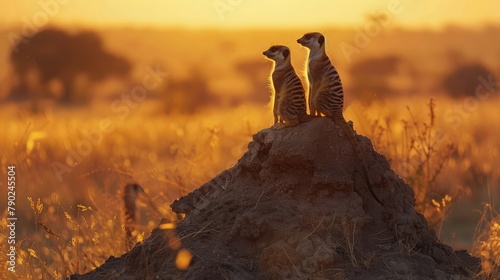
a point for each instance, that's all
(248, 13)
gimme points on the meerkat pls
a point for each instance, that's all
(130, 194)
(326, 94)
(289, 101)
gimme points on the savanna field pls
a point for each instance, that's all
(210, 95)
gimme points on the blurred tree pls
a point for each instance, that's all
(464, 80)
(256, 71)
(381, 77)
(53, 56)
(189, 95)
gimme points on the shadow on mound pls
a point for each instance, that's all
(295, 206)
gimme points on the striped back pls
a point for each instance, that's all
(326, 87)
(289, 91)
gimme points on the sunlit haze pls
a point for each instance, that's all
(249, 14)
(119, 114)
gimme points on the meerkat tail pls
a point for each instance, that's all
(352, 138)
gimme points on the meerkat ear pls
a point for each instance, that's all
(286, 53)
(321, 40)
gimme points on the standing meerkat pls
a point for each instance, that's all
(326, 95)
(130, 194)
(289, 96)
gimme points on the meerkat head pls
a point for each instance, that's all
(279, 54)
(314, 41)
(131, 191)
(136, 188)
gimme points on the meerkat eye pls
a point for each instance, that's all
(273, 49)
(308, 37)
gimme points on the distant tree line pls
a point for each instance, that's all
(54, 55)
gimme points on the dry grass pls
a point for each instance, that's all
(71, 226)
(487, 241)
(446, 149)
(418, 153)
(438, 160)
(349, 233)
(74, 225)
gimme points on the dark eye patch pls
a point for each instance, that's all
(321, 40)
(273, 49)
(286, 53)
(308, 37)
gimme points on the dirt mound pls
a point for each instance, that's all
(296, 206)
